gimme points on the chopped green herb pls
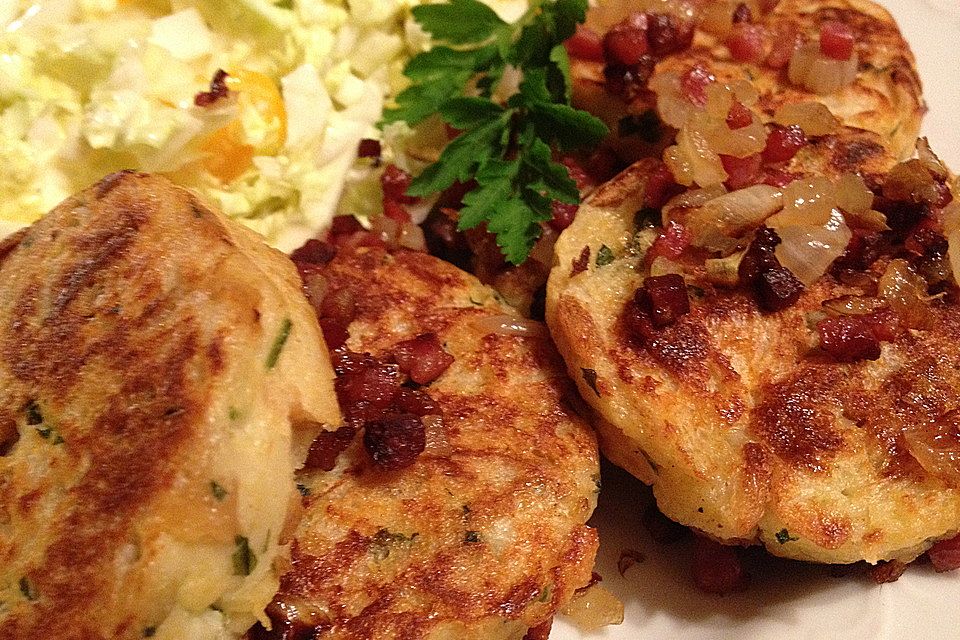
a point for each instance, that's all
(604, 256)
(149, 632)
(278, 343)
(590, 377)
(506, 148)
(34, 416)
(28, 590)
(466, 511)
(384, 539)
(218, 492)
(49, 433)
(545, 594)
(244, 560)
(304, 490)
(471, 537)
(234, 414)
(283, 4)
(783, 537)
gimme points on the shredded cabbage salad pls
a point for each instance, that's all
(88, 87)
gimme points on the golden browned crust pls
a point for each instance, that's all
(126, 315)
(743, 430)
(484, 535)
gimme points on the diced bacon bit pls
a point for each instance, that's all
(739, 116)
(339, 304)
(661, 186)
(667, 34)
(926, 239)
(335, 334)
(218, 90)
(774, 287)
(577, 173)
(315, 252)
(671, 243)
(742, 172)
(884, 572)
(662, 529)
(371, 395)
(395, 441)
(626, 43)
(742, 14)
(779, 177)
(783, 143)
(784, 44)
(540, 632)
(586, 44)
(717, 568)
(746, 42)
(579, 264)
(693, 85)
(864, 248)
(287, 623)
(854, 338)
(663, 298)
(395, 211)
(422, 358)
(327, 447)
(848, 339)
(945, 555)
(836, 40)
(629, 81)
(563, 215)
(369, 148)
(395, 182)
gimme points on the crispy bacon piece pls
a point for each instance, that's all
(717, 568)
(836, 40)
(663, 298)
(540, 632)
(395, 441)
(945, 555)
(742, 172)
(586, 44)
(327, 446)
(422, 358)
(775, 287)
(626, 43)
(667, 34)
(890, 571)
(218, 90)
(746, 42)
(783, 143)
(848, 339)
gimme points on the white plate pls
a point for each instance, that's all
(789, 600)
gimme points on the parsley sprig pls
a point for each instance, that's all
(506, 148)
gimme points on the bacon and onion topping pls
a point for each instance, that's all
(820, 72)
(945, 555)
(775, 287)
(422, 358)
(663, 298)
(717, 568)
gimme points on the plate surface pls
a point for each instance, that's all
(788, 600)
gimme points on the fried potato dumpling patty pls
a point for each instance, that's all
(161, 373)
(484, 535)
(744, 429)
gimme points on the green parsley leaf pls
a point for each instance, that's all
(604, 256)
(459, 22)
(506, 149)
